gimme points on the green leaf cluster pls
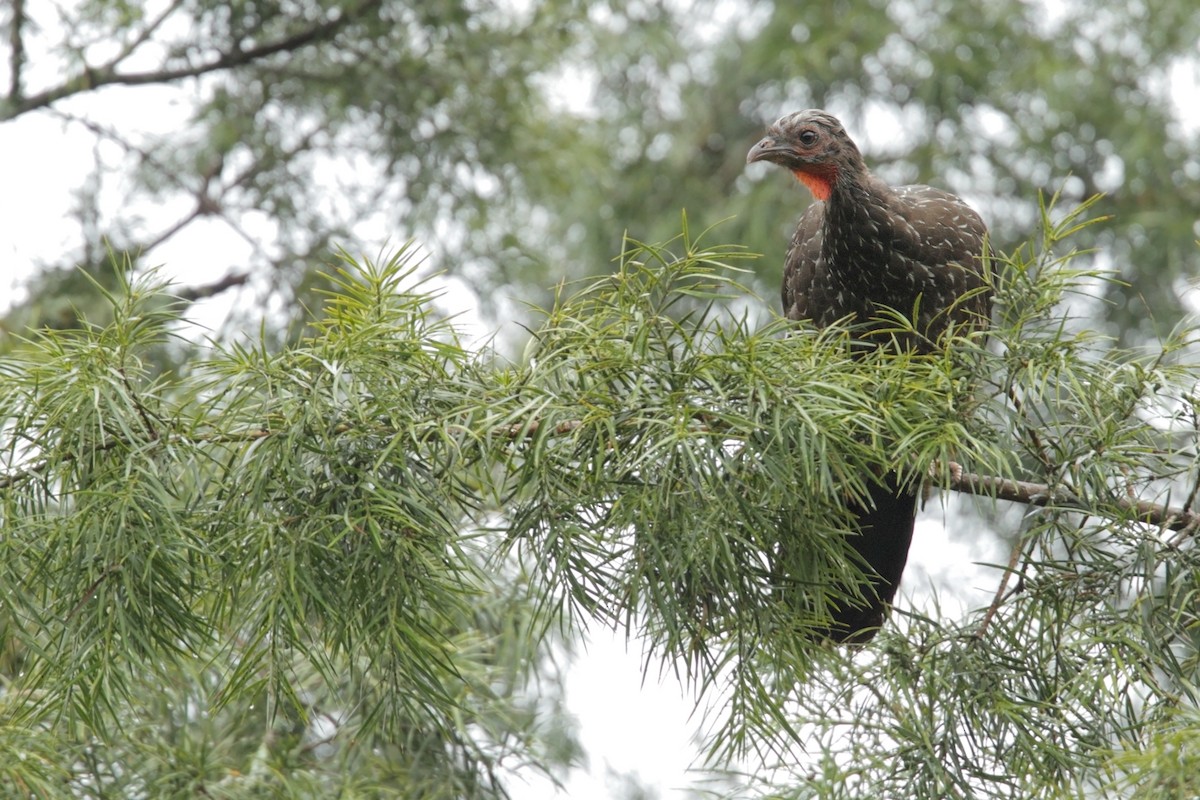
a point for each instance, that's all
(343, 565)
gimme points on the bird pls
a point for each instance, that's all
(866, 252)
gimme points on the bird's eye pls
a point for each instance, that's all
(808, 138)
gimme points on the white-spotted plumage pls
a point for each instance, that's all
(868, 247)
(867, 251)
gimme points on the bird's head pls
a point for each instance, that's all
(813, 145)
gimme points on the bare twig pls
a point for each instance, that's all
(115, 136)
(143, 35)
(207, 201)
(1013, 558)
(193, 293)
(16, 51)
(1039, 494)
(107, 74)
(193, 215)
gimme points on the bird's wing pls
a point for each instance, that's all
(948, 228)
(803, 263)
(940, 245)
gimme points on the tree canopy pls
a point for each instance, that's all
(325, 568)
(340, 548)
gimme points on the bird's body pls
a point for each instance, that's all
(867, 252)
(870, 252)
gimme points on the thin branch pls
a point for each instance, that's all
(193, 293)
(16, 51)
(1034, 494)
(107, 75)
(114, 136)
(1191, 498)
(193, 215)
(111, 569)
(206, 203)
(142, 411)
(528, 430)
(1042, 495)
(1013, 558)
(143, 35)
(1038, 449)
(40, 468)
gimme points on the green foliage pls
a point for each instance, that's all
(337, 567)
(1163, 764)
(673, 465)
(286, 532)
(334, 564)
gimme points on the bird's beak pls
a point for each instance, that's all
(765, 150)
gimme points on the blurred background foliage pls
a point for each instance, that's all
(520, 141)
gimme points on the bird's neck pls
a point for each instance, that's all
(819, 182)
(857, 198)
(841, 184)
(858, 223)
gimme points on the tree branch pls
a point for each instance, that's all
(206, 202)
(144, 35)
(530, 429)
(193, 293)
(16, 50)
(110, 570)
(1041, 495)
(1013, 559)
(40, 468)
(107, 74)
(1034, 494)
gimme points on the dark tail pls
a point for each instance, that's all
(885, 533)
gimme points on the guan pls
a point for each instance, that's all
(864, 252)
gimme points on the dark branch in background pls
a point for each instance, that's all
(208, 202)
(147, 157)
(107, 74)
(114, 136)
(16, 50)
(144, 35)
(193, 293)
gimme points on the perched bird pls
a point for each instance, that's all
(868, 251)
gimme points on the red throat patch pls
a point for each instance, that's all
(821, 186)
